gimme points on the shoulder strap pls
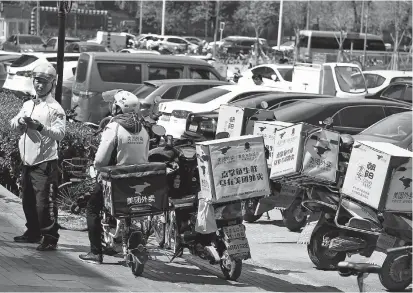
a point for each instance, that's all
(114, 155)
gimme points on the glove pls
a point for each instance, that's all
(34, 125)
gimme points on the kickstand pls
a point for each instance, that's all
(178, 252)
(360, 281)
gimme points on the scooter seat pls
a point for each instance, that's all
(351, 268)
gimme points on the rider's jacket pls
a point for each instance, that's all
(129, 137)
(40, 146)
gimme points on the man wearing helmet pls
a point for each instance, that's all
(41, 123)
(124, 142)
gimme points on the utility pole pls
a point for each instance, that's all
(365, 37)
(38, 18)
(64, 8)
(280, 23)
(141, 17)
(308, 16)
(163, 17)
(362, 17)
(216, 29)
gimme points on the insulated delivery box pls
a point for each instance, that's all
(239, 121)
(305, 153)
(135, 190)
(380, 175)
(232, 169)
(267, 130)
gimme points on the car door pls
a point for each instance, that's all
(171, 93)
(407, 95)
(189, 90)
(394, 91)
(354, 119)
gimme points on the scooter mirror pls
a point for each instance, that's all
(158, 130)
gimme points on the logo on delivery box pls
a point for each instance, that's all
(139, 198)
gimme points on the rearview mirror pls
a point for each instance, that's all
(158, 130)
(264, 105)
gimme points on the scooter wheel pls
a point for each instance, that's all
(396, 272)
(249, 211)
(230, 268)
(293, 217)
(136, 267)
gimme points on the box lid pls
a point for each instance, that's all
(237, 138)
(388, 148)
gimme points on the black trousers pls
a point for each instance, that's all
(39, 184)
(93, 210)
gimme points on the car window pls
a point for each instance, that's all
(82, 66)
(394, 110)
(123, 73)
(356, 116)
(176, 40)
(144, 90)
(206, 96)
(408, 94)
(188, 90)
(197, 73)
(400, 78)
(157, 73)
(69, 47)
(244, 95)
(11, 39)
(171, 93)
(394, 91)
(373, 80)
(23, 60)
(51, 43)
(92, 48)
(397, 127)
(286, 73)
(32, 40)
(259, 71)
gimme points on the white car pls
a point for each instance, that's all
(273, 75)
(287, 46)
(376, 80)
(139, 51)
(174, 114)
(19, 72)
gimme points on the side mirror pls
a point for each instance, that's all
(274, 77)
(157, 99)
(158, 130)
(328, 121)
(264, 105)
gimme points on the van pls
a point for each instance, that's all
(99, 72)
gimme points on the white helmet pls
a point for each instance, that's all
(127, 102)
(45, 70)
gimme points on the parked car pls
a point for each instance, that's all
(69, 71)
(236, 44)
(23, 43)
(395, 129)
(350, 116)
(279, 76)
(80, 47)
(139, 51)
(19, 72)
(397, 91)
(202, 126)
(174, 114)
(99, 72)
(194, 40)
(52, 43)
(152, 41)
(173, 42)
(5, 62)
(285, 47)
(377, 80)
(172, 89)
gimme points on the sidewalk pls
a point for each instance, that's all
(22, 268)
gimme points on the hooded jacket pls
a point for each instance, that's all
(132, 142)
(40, 146)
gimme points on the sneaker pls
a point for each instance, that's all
(27, 239)
(92, 258)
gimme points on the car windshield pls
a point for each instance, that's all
(397, 127)
(350, 79)
(286, 73)
(145, 90)
(297, 111)
(30, 40)
(206, 96)
(92, 48)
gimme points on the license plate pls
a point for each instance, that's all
(305, 235)
(166, 117)
(234, 232)
(193, 127)
(237, 247)
(385, 241)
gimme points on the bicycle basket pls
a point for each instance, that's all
(77, 167)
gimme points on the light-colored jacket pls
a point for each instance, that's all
(37, 147)
(132, 147)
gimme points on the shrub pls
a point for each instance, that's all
(74, 144)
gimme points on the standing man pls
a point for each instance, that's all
(41, 123)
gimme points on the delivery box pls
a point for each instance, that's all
(304, 152)
(236, 120)
(267, 130)
(380, 175)
(232, 169)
